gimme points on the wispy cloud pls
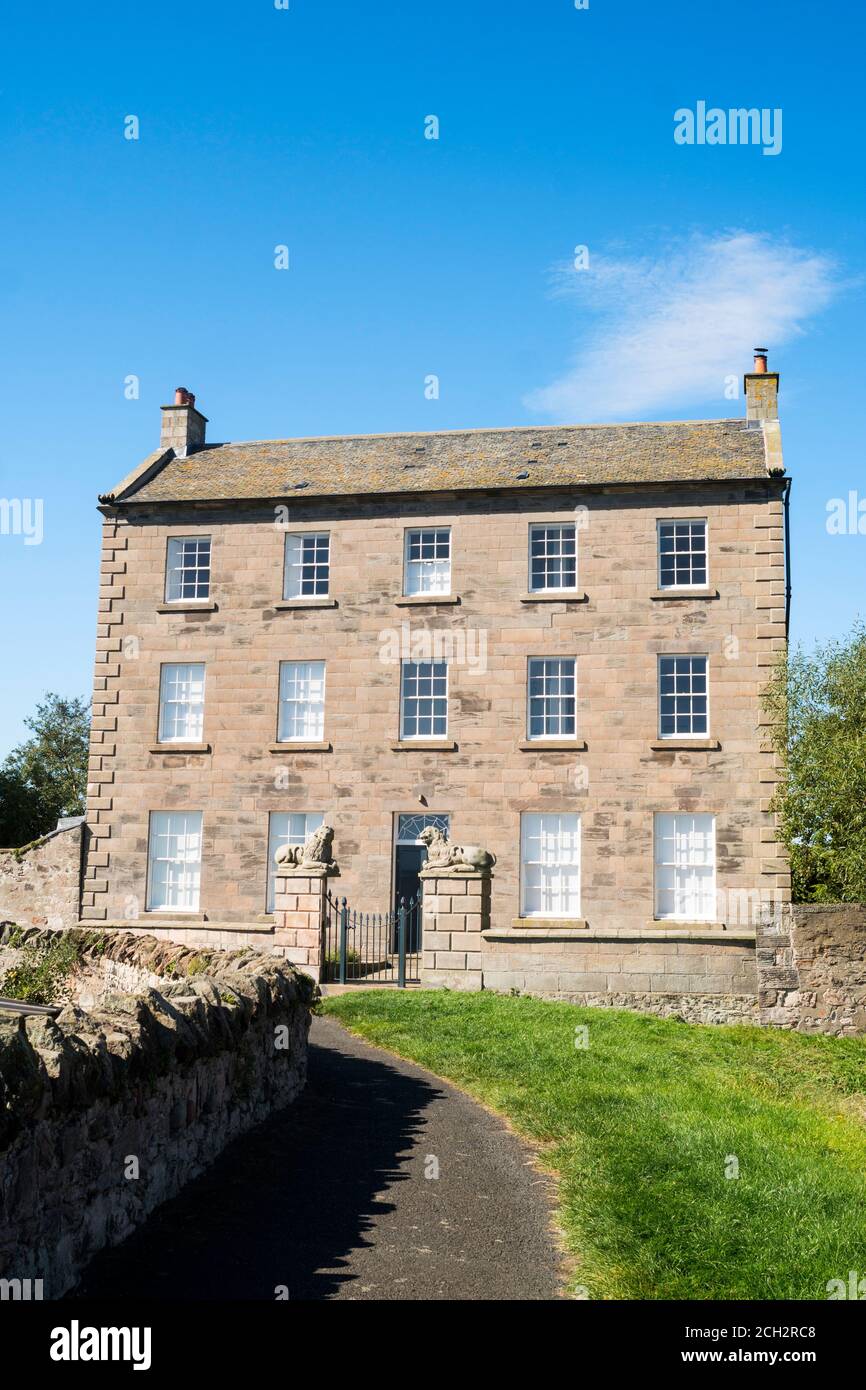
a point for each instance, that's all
(666, 331)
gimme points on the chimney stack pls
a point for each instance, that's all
(762, 391)
(183, 427)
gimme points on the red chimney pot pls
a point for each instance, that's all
(760, 360)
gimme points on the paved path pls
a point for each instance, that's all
(329, 1197)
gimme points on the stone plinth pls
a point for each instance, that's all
(299, 901)
(456, 910)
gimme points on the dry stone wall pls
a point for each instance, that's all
(164, 1057)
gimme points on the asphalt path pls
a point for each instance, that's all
(381, 1182)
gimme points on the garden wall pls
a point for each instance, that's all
(163, 1058)
(40, 883)
(812, 969)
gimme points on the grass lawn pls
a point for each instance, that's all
(641, 1126)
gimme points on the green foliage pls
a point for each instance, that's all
(332, 957)
(817, 708)
(46, 776)
(40, 973)
(640, 1124)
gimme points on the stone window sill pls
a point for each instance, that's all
(680, 924)
(552, 745)
(184, 606)
(684, 593)
(299, 747)
(179, 748)
(534, 928)
(555, 596)
(424, 745)
(425, 600)
(172, 915)
(687, 745)
(289, 604)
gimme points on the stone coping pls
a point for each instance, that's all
(151, 921)
(17, 851)
(738, 935)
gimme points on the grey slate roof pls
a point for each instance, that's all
(547, 456)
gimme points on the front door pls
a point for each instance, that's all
(410, 854)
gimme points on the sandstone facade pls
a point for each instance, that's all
(361, 781)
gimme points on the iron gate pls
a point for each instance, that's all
(372, 947)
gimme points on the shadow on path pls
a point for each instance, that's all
(329, 1197)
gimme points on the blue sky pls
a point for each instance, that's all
(409, 256)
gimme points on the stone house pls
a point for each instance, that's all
(551, 641)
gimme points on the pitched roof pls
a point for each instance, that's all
(458, 460)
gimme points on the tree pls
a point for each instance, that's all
(817, 710)
(46, 776)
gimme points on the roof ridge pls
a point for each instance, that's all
(481, 429)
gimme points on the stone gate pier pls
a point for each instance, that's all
(456, 910)
(299, 905)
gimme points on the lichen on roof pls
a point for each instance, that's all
(458, 460)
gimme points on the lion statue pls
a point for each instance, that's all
(316, 851)
(443, 855)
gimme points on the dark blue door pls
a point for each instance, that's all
(410, 860)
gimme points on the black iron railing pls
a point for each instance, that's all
(372, 947)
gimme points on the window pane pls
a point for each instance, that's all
(428, 562)
(682, 554)
(187, 568)
(552, 702)
(174, 861)
(307, 568)
(683, 696)
(302, 702)
(553, 557)
(550, 864)
(181, 703)
(424, 699)
(685, 867)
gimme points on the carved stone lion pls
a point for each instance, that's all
(441, 854)
(316, 851)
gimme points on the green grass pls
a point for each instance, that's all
(639, 1127)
